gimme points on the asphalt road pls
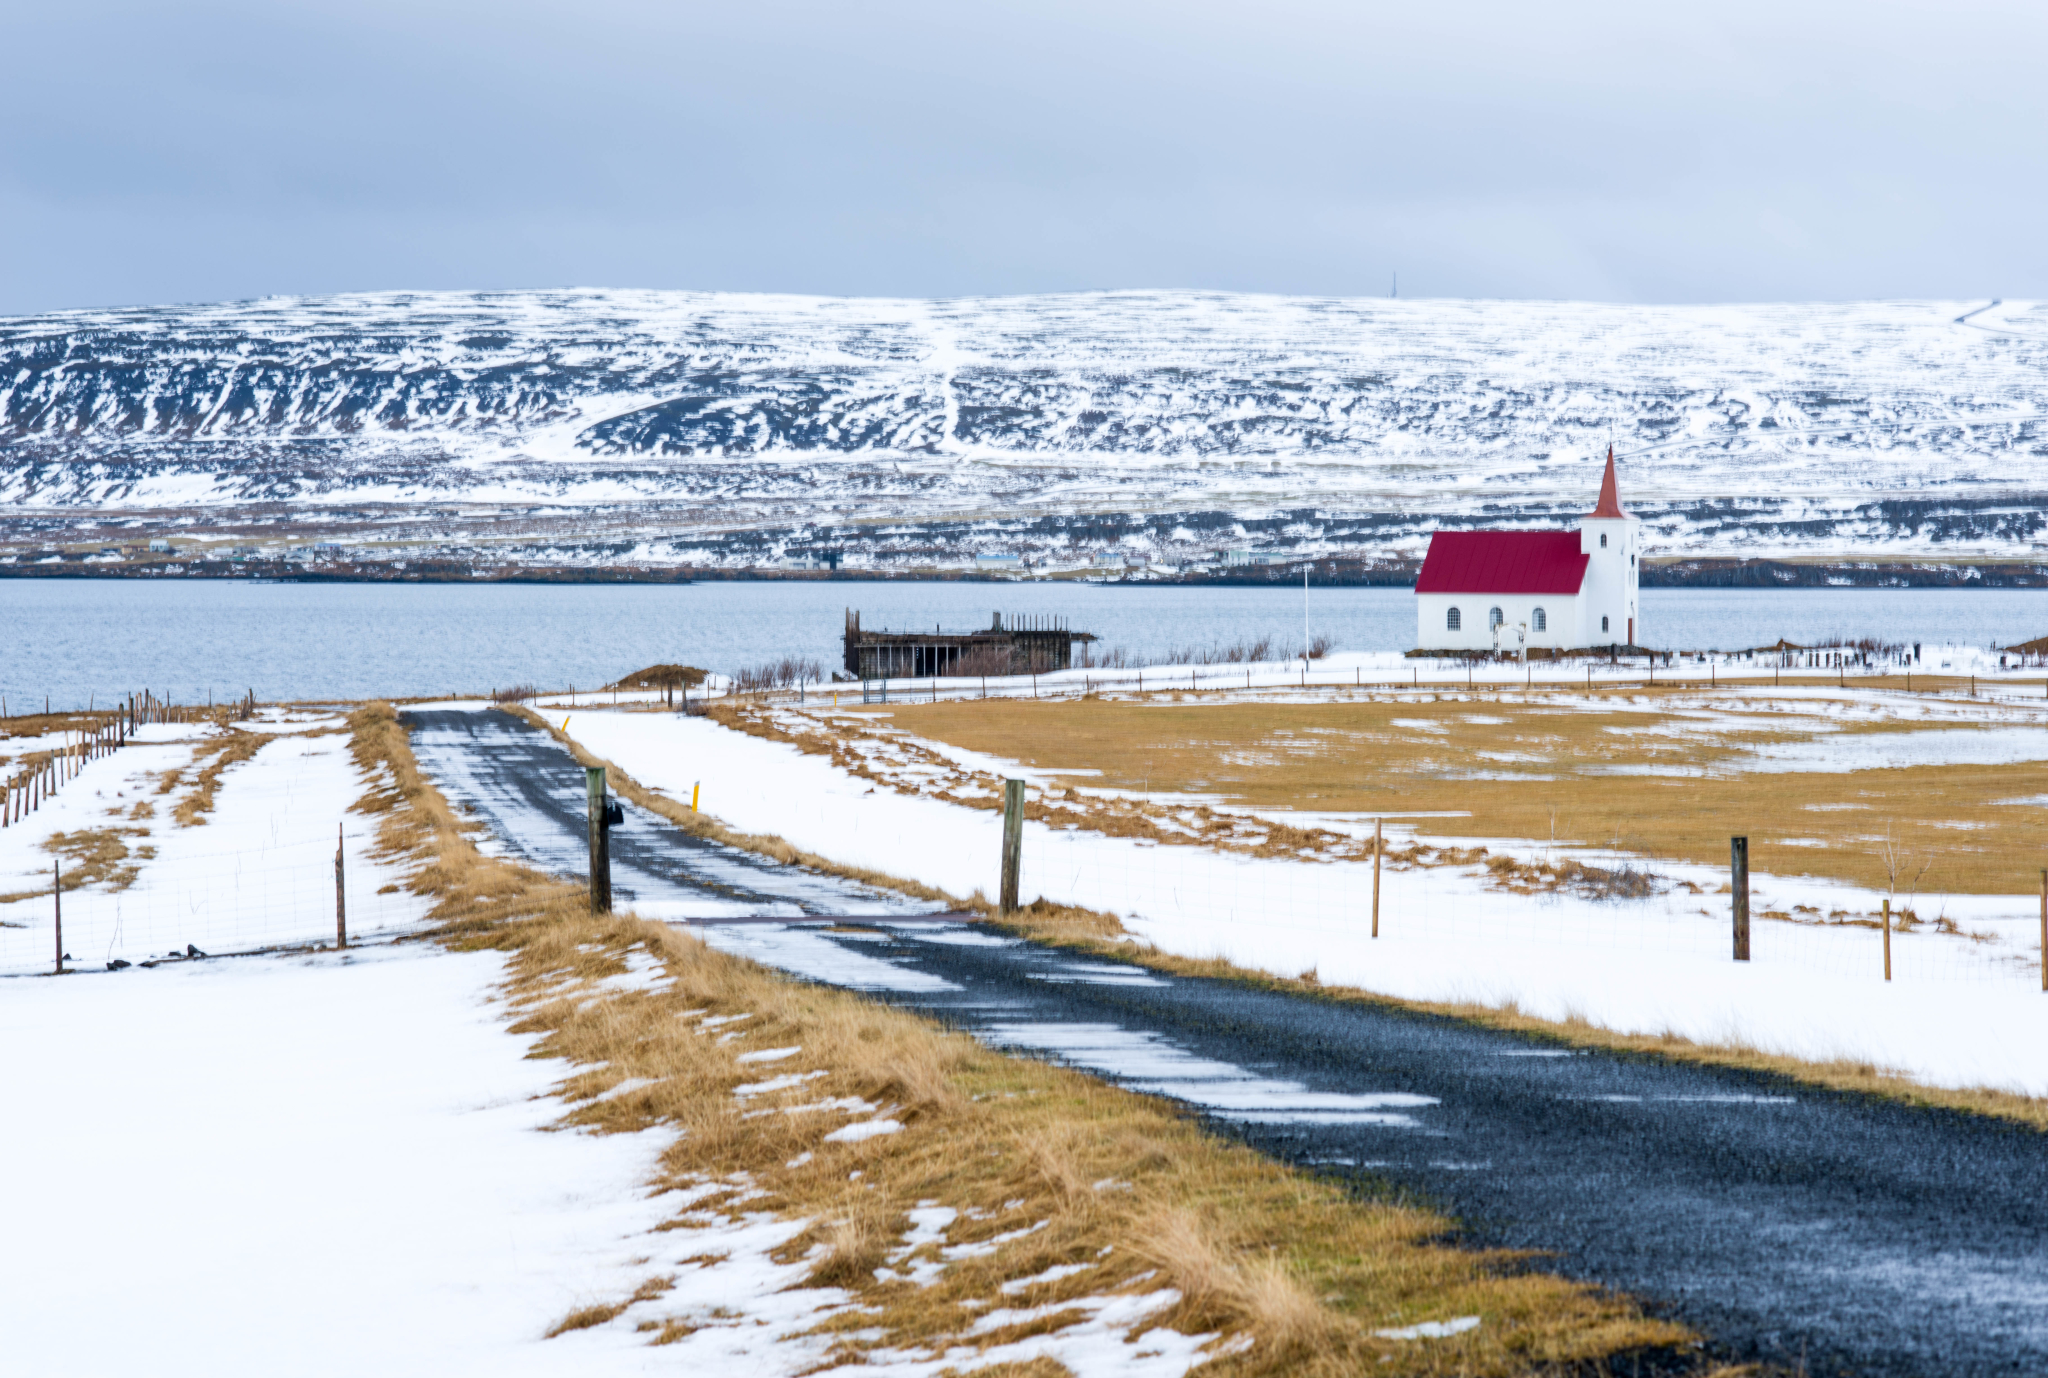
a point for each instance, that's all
(508, 774)
(1789, 1224)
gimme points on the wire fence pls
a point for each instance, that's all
(1430, 675)
(214, 902)
(1273, 912)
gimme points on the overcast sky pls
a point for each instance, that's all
(1633, 151)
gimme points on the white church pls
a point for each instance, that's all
(1536, 590)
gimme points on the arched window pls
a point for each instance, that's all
(1452, 621)
(1494, 617)
(1603, 624)
(1603, 540)
(1542, 620)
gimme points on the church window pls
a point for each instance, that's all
(1494, 617)
(1452, 620)
(1603, 624)
(1542, 621)
(1603, 540)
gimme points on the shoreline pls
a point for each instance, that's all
(1686, 572)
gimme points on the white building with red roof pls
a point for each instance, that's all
(1555, 590)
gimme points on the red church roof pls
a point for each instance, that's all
(1503, 562)
(1610, 497)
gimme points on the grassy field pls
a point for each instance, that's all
(1665, 772)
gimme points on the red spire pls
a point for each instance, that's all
(1610, 500)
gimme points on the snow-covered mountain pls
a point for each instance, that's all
(670, 426)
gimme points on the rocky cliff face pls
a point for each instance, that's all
(578, 426)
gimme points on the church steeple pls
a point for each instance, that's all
(1610, 499)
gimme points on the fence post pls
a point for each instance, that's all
(1013, 844)
(1738, 884)
(1376, 877)
(1887, 937)
(57, 897)
(340, 896)
(600, 843)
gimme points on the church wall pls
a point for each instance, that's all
(1431, 633)
(1613, 579)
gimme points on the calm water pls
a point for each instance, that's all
(75, 639)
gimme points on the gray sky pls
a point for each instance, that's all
(1627, 151)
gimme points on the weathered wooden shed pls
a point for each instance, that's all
(1034, 644)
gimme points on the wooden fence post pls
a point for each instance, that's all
(57, 897)
(340, 896)
(1376, 877)
(1738, 885)
(1013, 845)
(600, 842)
(1887, 937)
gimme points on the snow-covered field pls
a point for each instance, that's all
(322, 1164)
(258, 871)
(1143, 425)
(1958, 1013)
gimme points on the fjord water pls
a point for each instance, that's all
(79, 640)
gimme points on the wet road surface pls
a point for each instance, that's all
(508, 774)
(1787, 1223)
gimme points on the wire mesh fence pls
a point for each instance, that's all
(217, 902)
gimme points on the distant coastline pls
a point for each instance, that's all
(1687, 572)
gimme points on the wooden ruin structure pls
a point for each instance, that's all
(1026, 645)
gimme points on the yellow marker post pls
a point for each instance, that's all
(565, 724)
(694, 790)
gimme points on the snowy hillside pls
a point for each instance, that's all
(664, 426)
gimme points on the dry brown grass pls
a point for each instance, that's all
(39, 724)
(91, 855)
(864, 745)
(586, 1317)
(1059, 1167)
(233, 749)
(415, 824)
(98, 856)
(1550, 753)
